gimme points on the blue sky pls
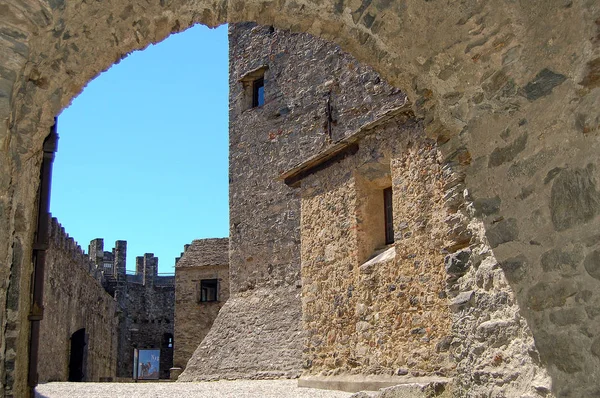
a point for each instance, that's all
(143, 150)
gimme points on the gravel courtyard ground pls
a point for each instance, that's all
(217, 389)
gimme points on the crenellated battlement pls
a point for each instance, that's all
(59, 239)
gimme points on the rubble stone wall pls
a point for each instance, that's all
(386, 313)
(435, 302)
(148, 312)
(75, 299)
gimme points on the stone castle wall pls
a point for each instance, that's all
(74, 299)
(304, 74)
(436, 302)
(203, 259)
(148, 312)
(408, 312)
(370, 311)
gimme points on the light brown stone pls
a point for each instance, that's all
(203, 259)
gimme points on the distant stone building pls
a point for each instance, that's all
(201, 289)
(145, 303)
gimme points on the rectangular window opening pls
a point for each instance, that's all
(258, 92)
(208, 290)
(389, 215)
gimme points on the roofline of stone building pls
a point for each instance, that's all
(204, 253)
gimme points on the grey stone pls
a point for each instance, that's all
(592, 264)
(513, 268)
(543, 84)
(458, 263)
(564, 262)
(530, 165)
(574, 198)
(551, 174)
(595, 348)
(360, 394)
(487, 206)
(508, 153)
(56, 4)
(502, 232)
(544, 295)
(567, 316)
(444, 344)
(559, 350)
(462, 299)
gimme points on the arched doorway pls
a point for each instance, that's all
(78, 356)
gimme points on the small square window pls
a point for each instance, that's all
(258, 92)
(253, 83)
(208, 290)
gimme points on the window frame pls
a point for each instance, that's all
(257, 84)
(214, 284)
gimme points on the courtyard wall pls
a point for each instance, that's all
(74, 299)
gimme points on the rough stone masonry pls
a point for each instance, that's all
(508, 90)
(407, 310)
(204, 260)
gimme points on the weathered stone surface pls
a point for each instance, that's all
(562, 261)
(462, 299)
(411, 389)
(514, 268)
(574, 198)
(458, 263)
(542, 84)
(592, 76)
(506, 154)
(592, 264)
(486, 207)
(146, 304)
(502, 232)
(567, 316)
(248, 323)
(565, 354)
(545, 295)
(203, 259)
(369, 308)
(596, 347)
(490, 339)
(264, 241)
(75, 300)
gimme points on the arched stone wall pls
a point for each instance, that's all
(509, 90)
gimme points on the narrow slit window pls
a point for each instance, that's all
(389, 214)
(258, 92)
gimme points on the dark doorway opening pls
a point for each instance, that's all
(77, 360)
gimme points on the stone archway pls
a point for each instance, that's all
(509, 90)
